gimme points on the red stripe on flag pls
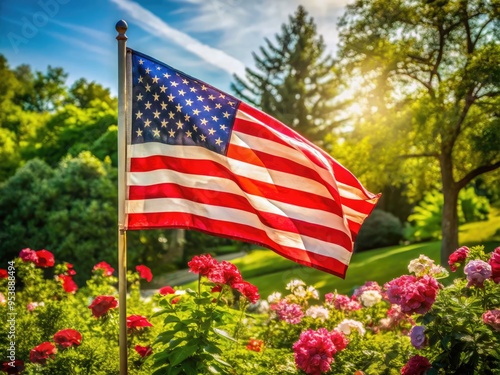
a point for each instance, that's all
(237, 232)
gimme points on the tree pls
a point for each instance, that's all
(69, 210)
(294, 80)
(83, 93)
(438, 61)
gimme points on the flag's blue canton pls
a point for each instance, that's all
(173, 108)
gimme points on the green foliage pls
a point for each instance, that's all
(427, 216)
(459, 342)
(71, 210)
(294, 79)
(380, 229)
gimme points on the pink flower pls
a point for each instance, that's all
(33, 305)
(369, 285)
(477, 271)
(494, 262)
(255, 345)
(250, 291)
(225, 273)
(314, 350)
(40, 353)
(417, 365)
(3, 300)
(166, 290)
(102, 304)
(143, 351)
(68, 337)
(458, 257)
(289, 312)
(135, 322)
(144, 272)
(417, 337)
(339, 340)
(202, 264)
(105, 268)
(414, 295)
(342, 302)
(44, 259)
(28, 255)
(492, 318)
(68, 283)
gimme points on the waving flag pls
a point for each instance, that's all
(198, 158)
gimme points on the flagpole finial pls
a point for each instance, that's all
(121, 27)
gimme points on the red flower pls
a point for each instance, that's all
(68, 284)
(414, 295)
(166, 290)
(28, 255)
(143, 351)
(13, 370)
(255, 345)
(494, 262)
(144, 272)
(107, 270)
(417, 365)
(458, 257)
(202, 264)
(102, 304)
(40, 353)
(225, 273)
(3, 274)
(68, 337)
(216, 289)
(137, 321)
(175, 300)
(250, 291)
(69, 269)
(45, 259)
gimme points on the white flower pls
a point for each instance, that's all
(313, 292)
(421, 265)
(180, 292)
(299, 291)
(370, 297)
(318, 312)
(294, 284)
(348, 325)
(274, 297)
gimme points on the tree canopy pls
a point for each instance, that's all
(432, 78)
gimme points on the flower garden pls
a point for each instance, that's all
(412, 325)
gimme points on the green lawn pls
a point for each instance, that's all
(271, 272)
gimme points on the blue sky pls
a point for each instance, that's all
(207, 39)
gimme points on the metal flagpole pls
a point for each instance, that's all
(121, 28)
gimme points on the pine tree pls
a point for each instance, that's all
(294, 80)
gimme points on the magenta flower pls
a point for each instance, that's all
(289, 312)
(314, 350)
(414, 295)
(458, 257)
(417, 337)
(417, 365)
(342, 302)
(369, 285)
(492, 318)
(28, 255)
(477, 271)
(494, 262)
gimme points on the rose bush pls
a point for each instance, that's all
(411, 325)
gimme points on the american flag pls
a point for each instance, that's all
(199, 158)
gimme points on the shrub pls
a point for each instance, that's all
(380, 229)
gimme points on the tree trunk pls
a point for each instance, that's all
(176, 241)
(449, 224)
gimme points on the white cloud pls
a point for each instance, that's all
(157, 27)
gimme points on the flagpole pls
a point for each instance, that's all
(121, 28)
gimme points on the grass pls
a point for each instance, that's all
(271, 272)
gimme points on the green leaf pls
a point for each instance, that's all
(212, 349)
(181, 353)
(171, 319)
(224, 334)
(160, 313)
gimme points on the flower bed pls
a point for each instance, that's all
(410, 325)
